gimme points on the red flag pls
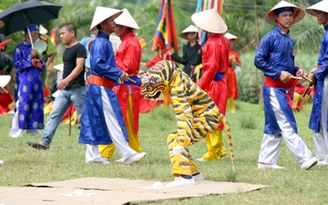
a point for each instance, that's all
(165, 35)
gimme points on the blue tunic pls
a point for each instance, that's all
(94, 129)
(28, 89)
(320, 74)
(274, 55)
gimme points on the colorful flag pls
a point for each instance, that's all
(165, 35)
(53, 36)
(203, 5)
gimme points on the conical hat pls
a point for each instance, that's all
(126, 20)
(42, 30)
(320, 6)
(59, 67)
(230, 36)
(209, 20)
(298, 12)
(103, 13)
(2, 24)
(189, 29)
(4, 80)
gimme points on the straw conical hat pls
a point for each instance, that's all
(42, 30)
(103, 13)
(2, 24)
(59, 67)
(126, 20)
(320, 6)
(210, 20)
(231, 36)
(4, 80)
(298, 12)
(189, 29)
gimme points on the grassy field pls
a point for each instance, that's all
(65, 160)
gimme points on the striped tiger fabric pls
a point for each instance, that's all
(196, 113)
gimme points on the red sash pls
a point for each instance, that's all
(269, 82)
(101, 81)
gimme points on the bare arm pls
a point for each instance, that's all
(76, 71)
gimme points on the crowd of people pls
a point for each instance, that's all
(105, 88)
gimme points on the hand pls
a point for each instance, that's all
(124, 77)
(169, 52)
(285, 76)
(63, 83)
(177, 150)
(300, 72)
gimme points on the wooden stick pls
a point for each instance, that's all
(297, 78)
(306, 78)
(132, 81)
(250, 43)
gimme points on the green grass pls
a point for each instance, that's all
(65, 160)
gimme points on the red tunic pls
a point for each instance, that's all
(231, 75)
(128, 59)
(215, 59)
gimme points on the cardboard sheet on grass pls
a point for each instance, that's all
(112, 191)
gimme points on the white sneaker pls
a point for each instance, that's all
(198, 177)
(201, 159)
(310, 163)
(268, 166)
(120, 160)
(322, 162)
(134, 158)
(179, 181)
(2, 162)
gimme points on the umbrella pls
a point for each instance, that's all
(22, 15)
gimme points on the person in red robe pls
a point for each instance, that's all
(128, 58)
(234, 60)
(215, 65)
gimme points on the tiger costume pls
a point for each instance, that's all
(196, 113)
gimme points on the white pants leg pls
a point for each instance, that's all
(14, 129)
(270, 149)
(293, 141)
(321, 139)
(114, 129)
(92, 154)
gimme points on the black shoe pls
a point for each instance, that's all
(37, 145)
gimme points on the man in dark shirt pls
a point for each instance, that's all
(71, 87)
(192, 53)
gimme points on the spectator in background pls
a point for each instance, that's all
(192, 54)
(29, 93)
(232, 85)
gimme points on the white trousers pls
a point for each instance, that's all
(271, 142)
(117, 137)
(321, 139)
(15, 131)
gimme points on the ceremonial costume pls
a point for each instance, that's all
(319, 114)
(102, 120)
(275, 59)
(232, 92)
(196, 113)
(128, 57)
(29, 93)
(215, 64)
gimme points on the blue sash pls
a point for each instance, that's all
(218, 76)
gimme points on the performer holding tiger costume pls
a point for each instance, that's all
(196, 113)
